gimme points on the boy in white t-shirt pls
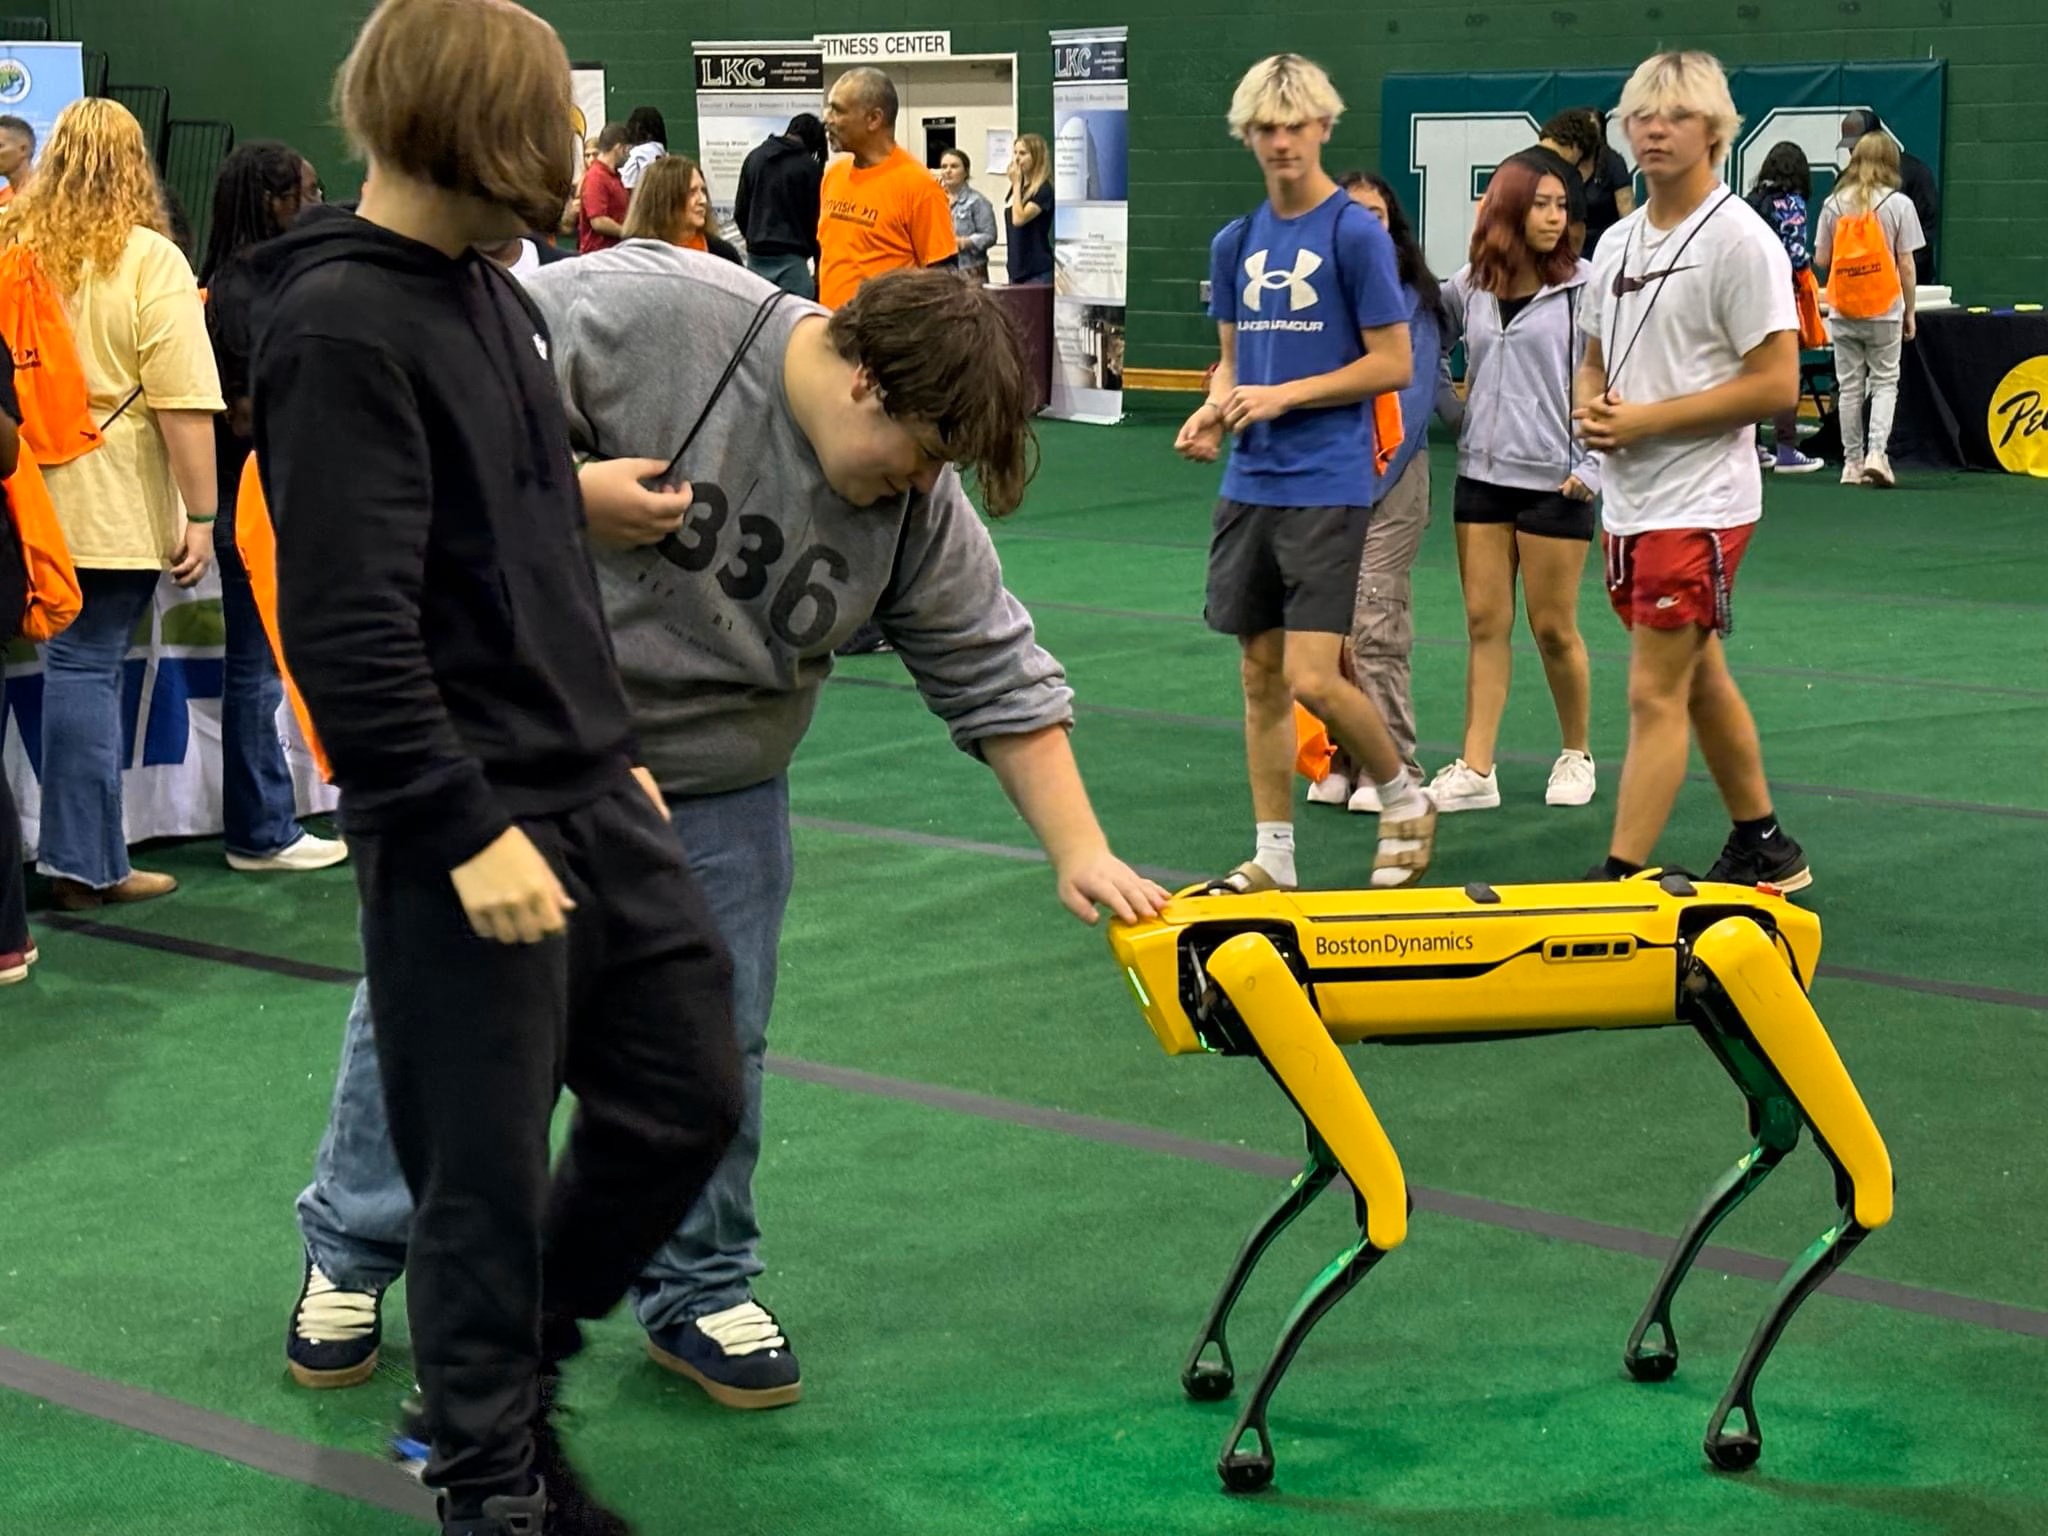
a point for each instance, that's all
(1693, 339)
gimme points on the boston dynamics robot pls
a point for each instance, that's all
(1288, 978)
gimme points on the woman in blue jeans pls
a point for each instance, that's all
(263, 186)
(139, 504)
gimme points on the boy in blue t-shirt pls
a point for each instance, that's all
(1308, 303)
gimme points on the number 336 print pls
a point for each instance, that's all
(804, 609)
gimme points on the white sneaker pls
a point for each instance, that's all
(1460, 788)
(1852, 472)
(1335, 789)
(1571, 780)
(308, 853)
(1877, 470)
(1366, 797)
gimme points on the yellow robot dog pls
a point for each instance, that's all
(1288, 978)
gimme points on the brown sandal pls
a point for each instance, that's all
(1412, 861)
(1249, 879)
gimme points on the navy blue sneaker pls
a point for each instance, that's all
(334, 1334)
(739, 1356)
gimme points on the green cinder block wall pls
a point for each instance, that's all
(267, 67)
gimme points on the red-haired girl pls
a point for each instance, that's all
(1524, 495)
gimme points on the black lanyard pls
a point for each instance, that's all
(1614, 373)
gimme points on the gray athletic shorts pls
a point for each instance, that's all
(1292, 568)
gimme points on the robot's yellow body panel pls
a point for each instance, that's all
(1478, 960)
(1291, 978)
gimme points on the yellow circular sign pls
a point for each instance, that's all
(2018, 421)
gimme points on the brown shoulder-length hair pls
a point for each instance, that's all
(661, 200)
(470, 95)
(941, 350)
(1499, 238)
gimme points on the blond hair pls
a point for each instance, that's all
(1283, 89)
(662, 200)
(1686, 81)
(1873, 170)
(469, 95)
(94, 186)
(1041, 161)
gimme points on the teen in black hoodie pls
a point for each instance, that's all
(776, 206)
(527, 917)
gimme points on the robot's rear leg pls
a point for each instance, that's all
(1774, 1122)
(1737, 1451)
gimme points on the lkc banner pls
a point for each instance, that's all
(747, 92)
(1091, 222)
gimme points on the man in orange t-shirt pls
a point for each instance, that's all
(878, 210)
(17, 157)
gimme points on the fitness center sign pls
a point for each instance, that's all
(1441, 135)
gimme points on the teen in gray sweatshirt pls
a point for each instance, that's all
(821, 494)
(1523, 502)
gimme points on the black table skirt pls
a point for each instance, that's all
(1947, 376)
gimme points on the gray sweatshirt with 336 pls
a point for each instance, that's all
(725, 630)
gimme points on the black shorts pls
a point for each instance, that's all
(1291, 568)
(1547, 514)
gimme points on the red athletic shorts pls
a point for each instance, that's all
(1669, 578)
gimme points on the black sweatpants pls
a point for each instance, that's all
(633, 1011)
(13, 893)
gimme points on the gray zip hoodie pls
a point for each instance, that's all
(1518, 401)
(725, 630)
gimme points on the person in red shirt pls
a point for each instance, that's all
(601, 221)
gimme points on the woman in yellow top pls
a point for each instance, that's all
(96, 222)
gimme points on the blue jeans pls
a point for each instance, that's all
(261, 806)
(356, 1214)
(790, 273)
(86, 743)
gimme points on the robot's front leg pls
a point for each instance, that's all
(1302, 1057)
(1756, 1003)
(1208, 1381)
(1246, 1471)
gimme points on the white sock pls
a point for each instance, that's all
(1401, 797)
(1276, 851)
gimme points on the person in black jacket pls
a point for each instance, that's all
(261, 189)
(776, 207)
(527, 916)
(1916, 180)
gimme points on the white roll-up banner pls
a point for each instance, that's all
(1091, 221)
(747, 92)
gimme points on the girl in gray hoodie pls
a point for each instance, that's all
(1524, 495)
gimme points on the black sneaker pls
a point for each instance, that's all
(868, 640)
(572, 1511)
(334, 1334)
(1777, 861)
(504, 1514)
(739, 1356)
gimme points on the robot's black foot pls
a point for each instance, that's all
(1734, 1453)
(1207, 1383)
(1652, 1364)
(1243, 1473)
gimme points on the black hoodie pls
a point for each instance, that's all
(776, 207)
(435, 598)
